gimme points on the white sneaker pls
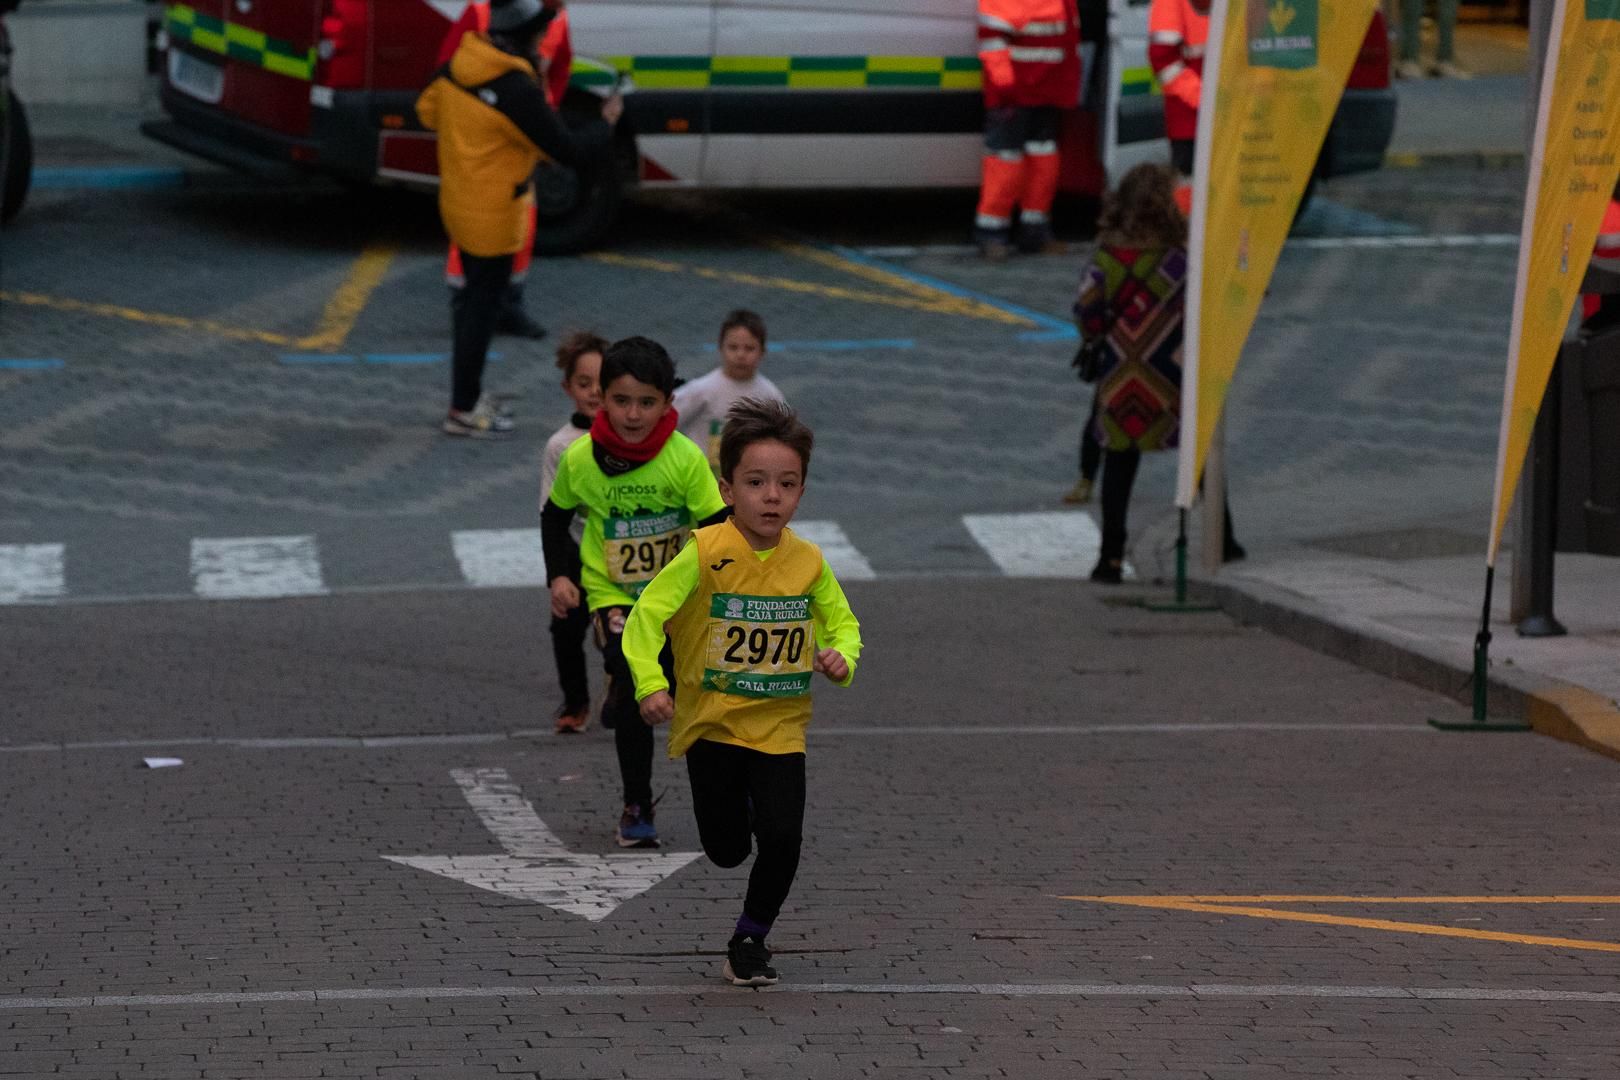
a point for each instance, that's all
(1445, 69)
(477, 425)
(1409, 69)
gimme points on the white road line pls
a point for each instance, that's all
(931, 731)
(1422, 243)
(845, 558)
(32, 572)
(536, 866)
(1256, 992)
(500, 805)
(1048, 544)
(495, 558)
(256, 567)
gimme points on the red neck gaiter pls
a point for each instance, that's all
(607, 440)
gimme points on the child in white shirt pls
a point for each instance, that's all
(704, 402)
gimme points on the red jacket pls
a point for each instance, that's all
(1605, 254)
(556, 57)
(1177, 33)
(1030, 52)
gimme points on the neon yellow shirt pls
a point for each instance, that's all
(636, 521)
(742, 658)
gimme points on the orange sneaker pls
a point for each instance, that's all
(571, 723)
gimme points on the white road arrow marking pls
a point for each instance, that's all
(536, 866)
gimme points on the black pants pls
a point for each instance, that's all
(632, 737)
(737, 791)
(1119, 475)
(1182, 155)
(568, 650)
(1090, 449)
(473, 319)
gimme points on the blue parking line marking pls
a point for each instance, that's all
(317, 358)
(106, 177)
(406, 358)
(1048, 324)
(42, 364)
(417, 358)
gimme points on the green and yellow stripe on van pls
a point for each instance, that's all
(787, 72)
(1137, 81)
(237, 42)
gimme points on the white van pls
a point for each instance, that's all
(718, 93)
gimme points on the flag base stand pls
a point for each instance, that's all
(1482, 659)
(1180, 604)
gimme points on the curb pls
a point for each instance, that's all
(1476, 159)
(1554, 708)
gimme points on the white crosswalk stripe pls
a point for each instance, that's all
(846, 560)
(499, 558)
(1057, 544)
(31, 572)
(256, 567)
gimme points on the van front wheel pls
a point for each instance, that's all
(574, 212)
(19, 162)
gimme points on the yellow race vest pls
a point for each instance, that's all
(745, 645)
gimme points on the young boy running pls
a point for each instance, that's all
(705, 401)
(642, 485)
(752, 611)
(579, 358)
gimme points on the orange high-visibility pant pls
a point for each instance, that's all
(1020, 167)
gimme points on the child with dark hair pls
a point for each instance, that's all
(642, 485)
(705, 401)
(579, 358)
(753, 611)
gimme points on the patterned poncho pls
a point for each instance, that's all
(1133, 298)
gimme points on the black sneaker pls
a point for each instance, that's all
(748, 962)
(515, 322)
(1108, 572)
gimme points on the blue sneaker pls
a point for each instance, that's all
(636, 828)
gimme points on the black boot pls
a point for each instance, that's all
(513, 321)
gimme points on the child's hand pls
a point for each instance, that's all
(564, 597)
(831, 663)
(657, 708)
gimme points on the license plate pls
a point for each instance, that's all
(198, 78)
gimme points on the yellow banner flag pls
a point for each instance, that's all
(1273, 76)
(1573, 170)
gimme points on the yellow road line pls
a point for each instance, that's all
(899, 282)
(150, 318)
(1168, 903)
(938, 303)
(341, 313)
(343, 310)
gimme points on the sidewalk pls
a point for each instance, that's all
(1484, 118)
(1415, 619)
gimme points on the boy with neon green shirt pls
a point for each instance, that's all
(644, 485)
(752, 611)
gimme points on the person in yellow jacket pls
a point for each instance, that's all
(494, 123)
(752, 612)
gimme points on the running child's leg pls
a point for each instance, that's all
(632, 737)
(568, 651)
(719, 776)
(776, 786)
